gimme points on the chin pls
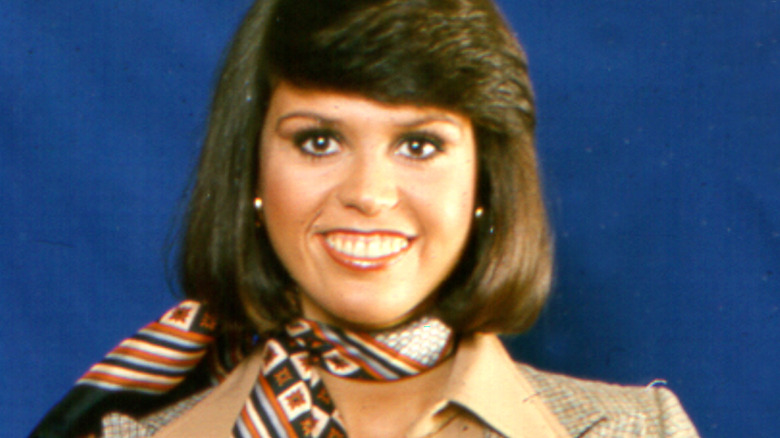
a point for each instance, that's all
(369, 319)
(374, 316)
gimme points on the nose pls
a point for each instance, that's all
(370, 185)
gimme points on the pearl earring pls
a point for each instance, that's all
(258, 211)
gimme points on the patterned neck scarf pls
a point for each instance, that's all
(154, 367)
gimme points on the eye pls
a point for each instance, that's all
(318, 143)
(419, 148)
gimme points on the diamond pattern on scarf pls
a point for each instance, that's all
(289, 398)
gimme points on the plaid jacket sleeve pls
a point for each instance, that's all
(596, 409)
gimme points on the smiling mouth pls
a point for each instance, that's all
(365, 251)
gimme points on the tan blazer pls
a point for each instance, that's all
(520, 401)
(595, 409)
(488, 395)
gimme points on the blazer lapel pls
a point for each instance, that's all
(580, 415)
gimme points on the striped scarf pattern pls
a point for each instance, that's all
(288, 398)
(159, 356)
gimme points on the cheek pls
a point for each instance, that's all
(293, 198)
(446, 207)
(455, 211)
(458, 193)
(284, 203)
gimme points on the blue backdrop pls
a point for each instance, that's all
(658, 136)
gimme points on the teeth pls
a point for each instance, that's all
(366, 246)
(360, 248)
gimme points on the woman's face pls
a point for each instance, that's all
(367, 205)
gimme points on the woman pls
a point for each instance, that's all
(367, 215)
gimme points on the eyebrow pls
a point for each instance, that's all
(420, 121)
(432, 118)
(307, 115)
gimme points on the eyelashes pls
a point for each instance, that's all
(420, 147)
(321, 143)
(317, 142)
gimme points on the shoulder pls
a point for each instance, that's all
(596, 408)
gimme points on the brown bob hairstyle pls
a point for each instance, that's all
(454, 54)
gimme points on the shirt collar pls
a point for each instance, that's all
(486, 382)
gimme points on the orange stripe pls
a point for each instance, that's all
(134, 352)
(275, 405)
(366, 338)
(127, 383)
(179, 333)
(250, 425)
(365, 366)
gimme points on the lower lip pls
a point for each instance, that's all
(363, 264)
